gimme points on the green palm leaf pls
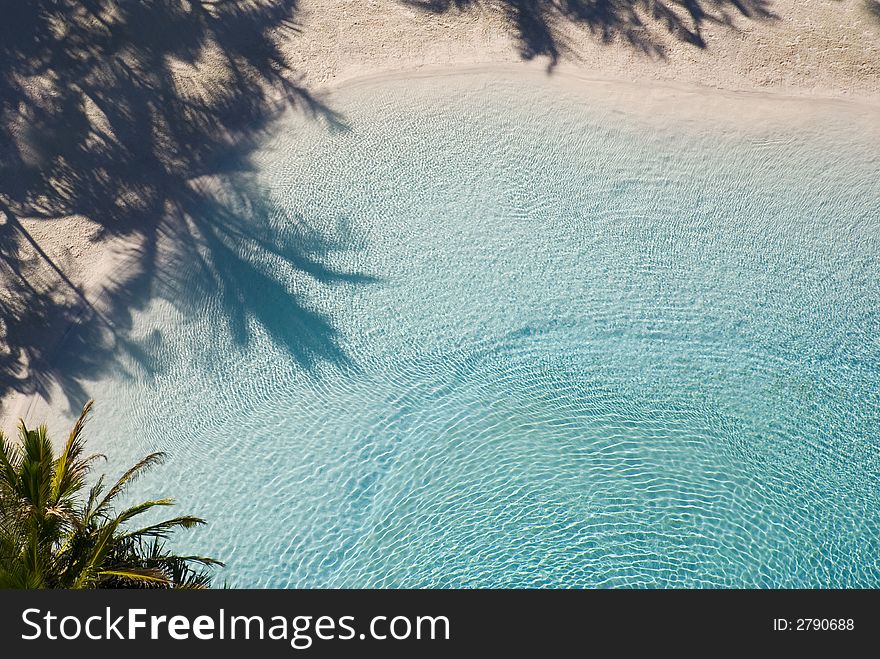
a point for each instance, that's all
(55, 534)
(164, 529)
(129, 476)
(147, 576)
(71, 467)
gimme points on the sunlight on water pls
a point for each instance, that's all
(539, 341)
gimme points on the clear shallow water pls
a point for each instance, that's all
(540, 342)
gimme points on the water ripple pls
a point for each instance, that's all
(597, 352)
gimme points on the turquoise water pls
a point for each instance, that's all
(543, 333)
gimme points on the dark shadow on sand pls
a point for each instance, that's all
(639, 23)
(108, 111)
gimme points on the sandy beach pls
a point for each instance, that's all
(811, 47)
(69, 136)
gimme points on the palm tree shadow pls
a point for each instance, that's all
(642, 24)
(141, 117)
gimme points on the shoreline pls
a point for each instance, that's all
(813, 48)
(341, 47)
(571, 75)
(20, 405)
(575, 73)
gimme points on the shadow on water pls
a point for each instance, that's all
(140, 117)
(539, 24)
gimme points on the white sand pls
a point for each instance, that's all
(820, 48)
(812, 47)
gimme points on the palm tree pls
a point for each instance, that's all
(52, 536)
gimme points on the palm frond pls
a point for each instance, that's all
(202, 560)
(163, 529)
(146, 576)
(55, 535)
(35, 472)
(142, 465)
(91, 502)
(96, 552)
(71, 467)
(10, 459)
(139, 509)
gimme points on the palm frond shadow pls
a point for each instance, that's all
(642, 24)
(119, 112)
